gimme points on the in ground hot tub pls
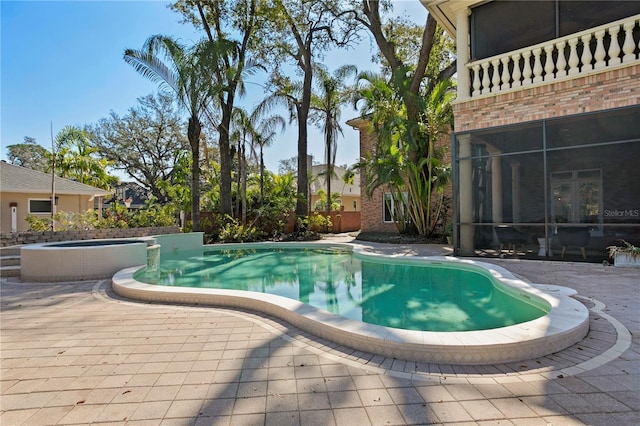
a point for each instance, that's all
(81, 260)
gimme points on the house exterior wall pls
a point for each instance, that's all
(346, 202)
(371, 216)
(372, 212)
(606, 90)
(69, 203)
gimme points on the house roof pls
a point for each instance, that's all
(20, 179)
(337, 184)
(445, 11)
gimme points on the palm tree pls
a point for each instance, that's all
(265, 131)
(405, 160)
(186, 71)
(75, 159)
(333, 94)
(289, 94)
(242, 130)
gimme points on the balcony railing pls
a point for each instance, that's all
(572, 56)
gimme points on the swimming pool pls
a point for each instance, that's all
(564, 323)
(425, 297)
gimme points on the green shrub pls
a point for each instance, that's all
(235, 232)
(38, 224)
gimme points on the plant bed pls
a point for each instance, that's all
(392, 238)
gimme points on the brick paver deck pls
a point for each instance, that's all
(74, 353)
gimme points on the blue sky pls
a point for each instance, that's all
(61, 63)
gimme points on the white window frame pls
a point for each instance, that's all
(386, 196)
(40, 199)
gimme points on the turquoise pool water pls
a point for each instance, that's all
(392, 293)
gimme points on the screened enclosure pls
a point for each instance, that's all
(562, 188)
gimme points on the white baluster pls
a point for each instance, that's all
(476, 80)
(574, 61)
(526, 72)
(549, 66)
(516, 70)
(495, 78)
(485, 78)
(586, 53)
(600, 53)
(505, 73)
(561, 63)
(629, 45)
(537, 66)
(614, 47)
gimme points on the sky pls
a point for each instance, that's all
(61, 64)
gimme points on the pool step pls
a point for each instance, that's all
(10, 261)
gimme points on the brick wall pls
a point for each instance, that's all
(90, 234)
(596, 92)
(371, 218)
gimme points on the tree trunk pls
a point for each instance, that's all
(243, 189)
(329, 174)
(302, 208)
(193, 134)
(225, 161)
(261, 177)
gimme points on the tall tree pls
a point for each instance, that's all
(187, 72)
(332, 95)
(434, 62)
(146, 143)
(402, 107)
(300, 31)
(29, 154)
(220, 20)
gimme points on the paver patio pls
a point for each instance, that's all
(75, 353)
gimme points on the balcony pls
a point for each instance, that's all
(595, 50)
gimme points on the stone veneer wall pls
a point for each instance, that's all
(82, 234)
(596, 92)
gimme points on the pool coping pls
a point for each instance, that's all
(566, 324)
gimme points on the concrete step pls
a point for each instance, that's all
(9, 271)
(10, 251)
(9, 260)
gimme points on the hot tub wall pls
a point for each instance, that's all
(41, 262)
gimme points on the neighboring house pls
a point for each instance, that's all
(349, 193)
(547, 124)
(130, 194)
(24, 191)
(375, 216)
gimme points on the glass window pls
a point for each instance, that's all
(39, 206)
(387, 213)
(389, 207)
(576, 197)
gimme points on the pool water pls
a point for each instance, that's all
(412, 296)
